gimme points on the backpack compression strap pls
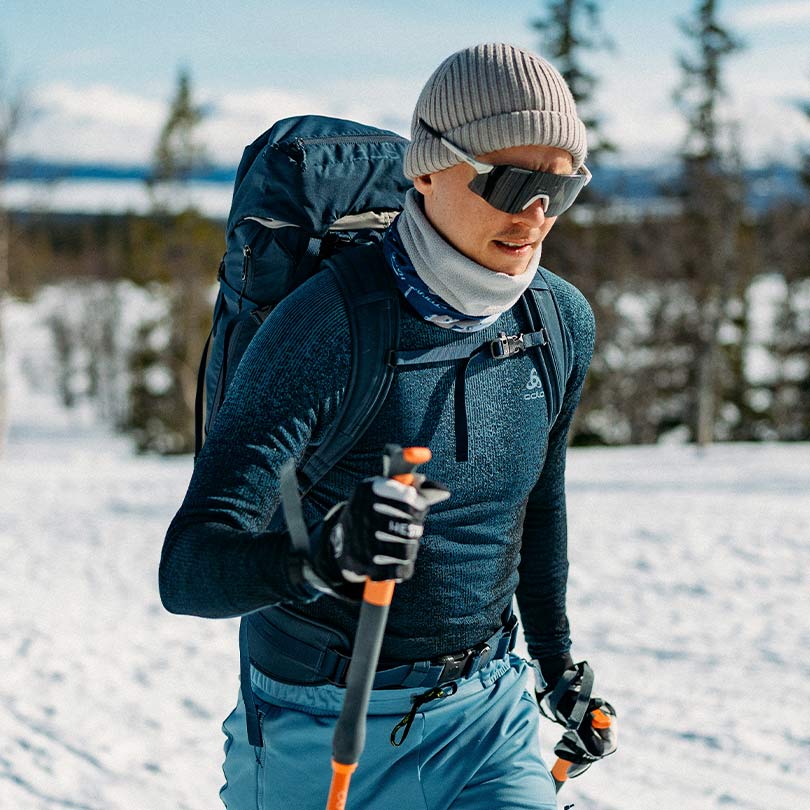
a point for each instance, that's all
(546, 333)
(372, 308)
(541, 308)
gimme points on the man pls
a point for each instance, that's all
(451, 722)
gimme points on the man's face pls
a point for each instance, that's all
(492, 238)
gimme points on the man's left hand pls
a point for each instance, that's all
(591, 722)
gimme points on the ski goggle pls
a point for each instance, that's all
(513, 189)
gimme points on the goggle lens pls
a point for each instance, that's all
(512, 189)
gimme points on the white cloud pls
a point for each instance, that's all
(238, 118)
(93, 123)
(98, 123)
(789, 12)
(641, 117)
(385, 101)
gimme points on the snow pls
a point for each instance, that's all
(688, 595)
(91, 195)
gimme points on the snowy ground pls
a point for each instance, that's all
(689, 592)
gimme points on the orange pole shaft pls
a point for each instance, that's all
(339, 789)
(560, 771)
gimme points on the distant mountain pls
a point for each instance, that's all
(766, 184)
(46, 171)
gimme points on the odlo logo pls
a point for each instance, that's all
(533, 385)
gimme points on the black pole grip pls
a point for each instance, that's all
(350, 733)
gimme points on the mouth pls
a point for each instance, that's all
(521, 248)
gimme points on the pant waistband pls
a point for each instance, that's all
(293, 649)
(327, 699)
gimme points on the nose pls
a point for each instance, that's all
(534, 213)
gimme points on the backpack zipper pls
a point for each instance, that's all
(337, 139)
(247, 255)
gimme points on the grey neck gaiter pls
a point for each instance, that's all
(464, 284)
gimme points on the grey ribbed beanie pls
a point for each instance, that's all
(490, 97)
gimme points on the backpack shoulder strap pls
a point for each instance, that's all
(541, 308)
(372, 307)
(371, 300)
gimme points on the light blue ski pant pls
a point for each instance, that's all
(476, 750)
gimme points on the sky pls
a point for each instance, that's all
(98, 76)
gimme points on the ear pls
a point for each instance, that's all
(423, 184)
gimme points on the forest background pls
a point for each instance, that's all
(700, 282)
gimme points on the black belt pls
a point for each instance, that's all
(427, 674)
(288, 647)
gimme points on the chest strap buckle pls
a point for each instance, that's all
(506, 345)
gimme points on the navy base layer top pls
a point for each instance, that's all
(503, 530)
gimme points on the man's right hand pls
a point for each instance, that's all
(376, 534)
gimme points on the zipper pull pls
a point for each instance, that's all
(247, 253)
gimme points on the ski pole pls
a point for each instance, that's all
(559, 772)
(350, 731)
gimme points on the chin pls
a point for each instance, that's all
(512, 271)
(513, 268)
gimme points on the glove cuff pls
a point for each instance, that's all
(322, 562)
(321, 571)
(550, 669)
(304, 585)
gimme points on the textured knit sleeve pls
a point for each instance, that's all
(544, 555)
(220, 558)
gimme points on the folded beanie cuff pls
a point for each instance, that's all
(427, 154)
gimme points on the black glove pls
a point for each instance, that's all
(590, 722)
(376, 534)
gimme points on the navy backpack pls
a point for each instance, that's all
(306, 190)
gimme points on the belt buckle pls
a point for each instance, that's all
(460, 665)
(454, 666)
(482, 657)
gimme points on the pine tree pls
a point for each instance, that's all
(804, 169)
(163, 380)
(177, 153)
(701, 90)
(570, 28)
(713, 210)
(568, 31)
(786, 237)
(179, 253)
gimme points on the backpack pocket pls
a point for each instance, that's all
(238, 333)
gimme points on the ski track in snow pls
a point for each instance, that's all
(688, 594)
